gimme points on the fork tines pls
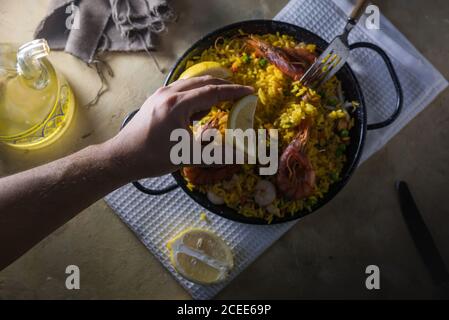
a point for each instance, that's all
(325, 67)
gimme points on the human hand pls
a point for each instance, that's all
(142, 148)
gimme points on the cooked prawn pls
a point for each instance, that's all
(296, 176)
(217, 121)
(214, 198)
(210, 175)
(264, 193)
(301, 55)
(291, 61)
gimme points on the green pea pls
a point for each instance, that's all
(338, 153)
(263, 62)
(246, 58)
(344, 133)
(334, 176)
(332, 101)
(340, 150)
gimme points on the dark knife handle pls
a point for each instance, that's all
(421, 236)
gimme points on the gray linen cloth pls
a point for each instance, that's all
(86, 27)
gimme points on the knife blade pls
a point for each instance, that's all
(422, 237)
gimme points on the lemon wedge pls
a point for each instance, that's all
(241, 116)
(200, 256)
(211, 68)
(242, 113)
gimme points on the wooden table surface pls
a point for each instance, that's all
(323, 256)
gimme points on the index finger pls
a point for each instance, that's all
(197, 82)
(202, 99)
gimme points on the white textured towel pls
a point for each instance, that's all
(157, 219)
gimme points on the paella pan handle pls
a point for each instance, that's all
(394, 78)
(137, 184)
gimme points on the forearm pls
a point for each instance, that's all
(36, 202)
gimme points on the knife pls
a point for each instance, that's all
(423, 239)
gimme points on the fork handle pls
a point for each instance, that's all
(358, 10)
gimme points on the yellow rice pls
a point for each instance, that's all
(281, 106)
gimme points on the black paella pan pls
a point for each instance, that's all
(350, 86)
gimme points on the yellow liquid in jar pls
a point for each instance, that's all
(30, 118)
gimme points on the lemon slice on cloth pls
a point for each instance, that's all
(200, 256)
(241, 116)
(211, 68)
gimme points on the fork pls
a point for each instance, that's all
(335, 55)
